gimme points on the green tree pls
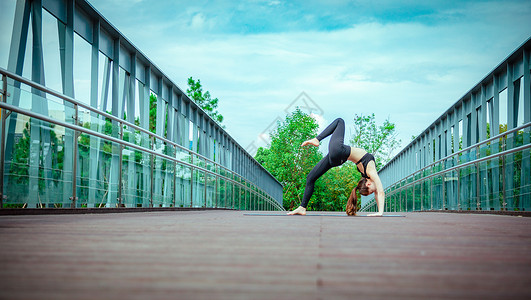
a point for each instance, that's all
(152, 113)
(334, 188)
(378, 140)
(19, 170)
(286, 160)
(290, 163)
(204, 100)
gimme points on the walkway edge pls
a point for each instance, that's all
(60, 211)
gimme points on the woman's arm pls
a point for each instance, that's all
(379, 194)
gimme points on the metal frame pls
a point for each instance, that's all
(467, 119)
(475, 162)
(78, 17)
(78, 129)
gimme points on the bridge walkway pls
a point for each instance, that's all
(229, 255)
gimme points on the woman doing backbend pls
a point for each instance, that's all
(338, 154)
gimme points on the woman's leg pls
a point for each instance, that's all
(331, 129)
(338, 137)
(338, 152)
(317, 171)
(335, 148)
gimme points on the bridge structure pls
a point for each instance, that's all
(89, 121)
(476, 155)
(77, 131)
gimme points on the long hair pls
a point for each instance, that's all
(352, 203)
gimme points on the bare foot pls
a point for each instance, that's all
(299, 211)
(314, 142)
(378, 214)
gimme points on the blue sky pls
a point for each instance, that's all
(404, 60)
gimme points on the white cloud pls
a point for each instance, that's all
(402, 71)
(408, 71)
(198, 20)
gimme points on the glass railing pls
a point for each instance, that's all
(494, 174)
(61, 153)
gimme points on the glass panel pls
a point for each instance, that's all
(133, 185)
(211, 190)
(7, 18)
(182, 182)
(158, 170)
(104, 83)
(82, 69)
(426, 190)
(34, 176)
(222, 198)
(502, 110)
(169, 176)
(50, 50)
(451, 190)
(228, 195)
(437, 192)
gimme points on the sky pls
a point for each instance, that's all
(408, 61)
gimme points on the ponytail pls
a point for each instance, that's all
(352, 203)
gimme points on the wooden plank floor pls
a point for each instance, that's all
(227, 255)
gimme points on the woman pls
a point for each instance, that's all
(338, 154)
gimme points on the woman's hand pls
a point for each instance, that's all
(314, 142)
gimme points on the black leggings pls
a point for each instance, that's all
(338, 154)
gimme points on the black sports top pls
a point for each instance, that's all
(365, 161)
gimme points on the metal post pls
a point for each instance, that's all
(414, 193)
(431, 192)
(120, 162)
(503, 184)
(225, 194)
(503, 172)
(74, 158)
(216, 190)
(478, 199)
(152, 167)
(3, 117)
(205, 186)
(239, 195)
(174, 177)
(458, 190)
(444, 191)
(191, 180)
(413, 202)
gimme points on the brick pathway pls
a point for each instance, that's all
(227, 255)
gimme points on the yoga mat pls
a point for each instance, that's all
(314, 215)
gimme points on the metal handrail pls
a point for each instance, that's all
(16, 109)
(521, 148)
(104, 114)
(451, 156)
(501, 135)
(124, 143)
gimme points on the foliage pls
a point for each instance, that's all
(19, 168)
(290, 163)
(380, 140)
(204, 100)
(20, 163)
(286, 159)
(152, 113)
(334, 188)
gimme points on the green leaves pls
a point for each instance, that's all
(378, 140)
(286, 159)
(290, 163)
(209, 105)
